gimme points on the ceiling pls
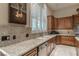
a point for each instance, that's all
(57, 6)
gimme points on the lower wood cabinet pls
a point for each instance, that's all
(32, 52)
(66, 40)
(46, 48)
(58, 40)
(51, 45)
(77, 43)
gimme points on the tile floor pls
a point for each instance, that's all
(63, 50)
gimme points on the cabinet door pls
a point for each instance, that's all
(49, 47)
(71, 40)
(76, 19)
(58, 40)
(68, 40)
(60, 23)
(55, 23)
(65, 23)
(68, 22)
(50, 23)
(77, 43)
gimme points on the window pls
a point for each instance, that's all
(38, 17)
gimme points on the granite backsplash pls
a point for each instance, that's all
(19, 31)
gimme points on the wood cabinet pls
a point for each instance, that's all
(65, 40)
(51, 45)
(65, 23)
(58, 40)
(76, 19)
(50, 23)
(68, 22)
(55, 23)
(60, 24)
(33, 52)
(77, 43)
(68, 40)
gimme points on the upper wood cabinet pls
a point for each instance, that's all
(68, 22)
(50, 24)
(76, 19)
(65, 23)
(55, 23)
(60, 23)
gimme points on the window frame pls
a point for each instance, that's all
(41, 15)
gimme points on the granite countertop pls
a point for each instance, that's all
(77, 38)
(20, 48)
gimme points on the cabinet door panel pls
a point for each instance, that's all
(76, 19)
(67, 40)
(50, 21)
(68, 22)
(49, 47)
(60, 23)
(65, 23)
(58, 40)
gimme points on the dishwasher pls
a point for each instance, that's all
(42, 49)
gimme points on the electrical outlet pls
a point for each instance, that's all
(14, 37)
(27, 35)
(4, 38)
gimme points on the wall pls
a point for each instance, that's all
(12, 29)
(69, 11)
(3, 13)
(49, 11)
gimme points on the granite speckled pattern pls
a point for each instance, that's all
(25, 46)
(19, 31)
